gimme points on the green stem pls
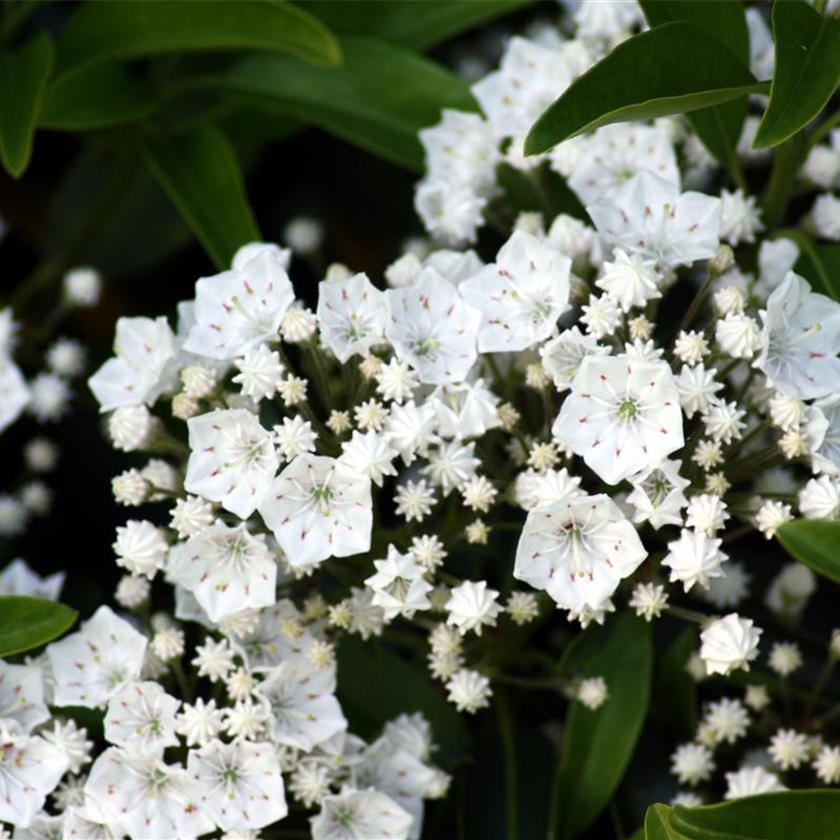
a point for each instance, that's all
(553, 832)
(687, 615)
(819, 685)
(506, 732)
(696, 303)
(785, 165)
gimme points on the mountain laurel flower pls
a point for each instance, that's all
(750, 781)
(578, 551)
(592, 692)
(352, 314)
(630, 279)
(260, 372)
(232, 460)
(141, 548)
(694, 558)
(472, 606)
(648, 600)
(658, 495)
(622, 415)
(729, 643)
(398, 585)
(468, 690)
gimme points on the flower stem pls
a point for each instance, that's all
(696, 303)
(778, 192)
(506, 733)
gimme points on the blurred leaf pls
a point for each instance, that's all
(671, 69)
(811, 814)
(813, 543)
(379, 99)
(814, 261)
(199, 172)
(598, 744)
(658, 824)
(27, 623)
(409, 23)
(382, 685)
(718, 127)
(104, 32)
(807, 70)
(97, 97)
(675, 689)
(23, 77)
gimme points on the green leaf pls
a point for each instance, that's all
(27, 623)
(407, 23)
(807, 70)
(104, 32)
(814, 814)
(200, 174)
(675, 690)
(718, 127)
(658, 824)
(818, 263)
(813, 543)
(23, 78)
(379, 99)
(671, 69)
(598, 745)
(97, 97)
(384, 685)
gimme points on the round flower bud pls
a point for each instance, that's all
(129, 488)
(722, 261)
(130, 427)
(184, 406)
(132, 591)
(82, 286)
(825, 216)
(198, 381)
(304, 235)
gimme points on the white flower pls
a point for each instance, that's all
(261, 372)
(141, 716)
(141, 548)
(146, 798)
(694, 558)
(240, 308)
(785, 658)
(199, 723)
(352, 314)
(820, 498)
(360, 814)
(771, 516)
(18, 579)
(232, 460)
(800, 340)
(71, 740)
(30, 769)
(451, 465)
(658, 495)
(578, 550)
(593, 692)
(601, 316)
(478, 493)
(471, 606)
(738, 336)
(302, 703)
(648, 600)
(49, 397)
(66, 357)
(692, 763)
(724, 421)
(631, 279)
(727, 720)
(740, 217)
(622, 415)
(827, 765)
(247, 252)
(82, 286)
(825, 216)
(433, 329)
(451, 213)
(396, 380)
(468, 690)
(22, 696)
(697, 388)
(226, 569)
(750, 781)
(398, 585)
(369, 454)
(614, 153)
(823, 430)
(706, 514)
(465, 409)
(561, 357)
(520, 296)
(788, 749)
(414, 500)
(318, 508)
(142, 368)
(729, 643)
(522, 607)
(294, 437)
(91, 665)
(649, 216)
(240, 783)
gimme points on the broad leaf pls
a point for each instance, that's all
(807, 70)
(671, 69)
(658, 824)
(104, 32)
(674, 688)
(23, 78)
(97, 97)
(200, 174)
(814, 814)
(407, 23)
(718, 127)
(27, 623)
(813, 543)
(819, 263)
(384, 685)
(379, 99)
(598, 745)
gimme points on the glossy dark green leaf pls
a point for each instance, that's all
(819, 264)
(658, 824)
(407, 23)
(23, 78)
(671, 69)
(811, 814)
(27, 623)
(598, 745)
(807, 70)
(199, 172)
(385, 685)
(379, 99)
(104, 32)
(816, 544)
(97, 97)
(674, 689)
(718, 127)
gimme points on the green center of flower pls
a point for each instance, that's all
(627, 409)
